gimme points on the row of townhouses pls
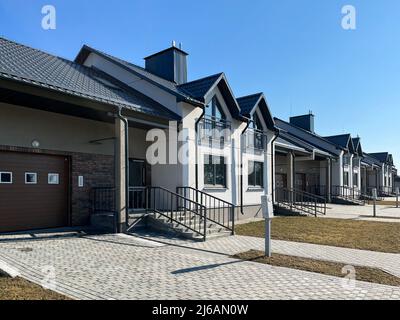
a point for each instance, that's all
(101, 140)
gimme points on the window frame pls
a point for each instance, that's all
(53, 174)
(214, 165)
(346, 179)
(36, 177)
(259, 175)
(215, 106)
(355, 179)
(11, 176)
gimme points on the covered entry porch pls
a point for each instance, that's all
(302, 175)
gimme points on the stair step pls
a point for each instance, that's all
(189, 228)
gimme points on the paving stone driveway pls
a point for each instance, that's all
(389, 262)
(125, 267)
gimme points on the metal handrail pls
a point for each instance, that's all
(178, 209)
(302, 201)
(103, 200)
(348, 193)
(255, 139)
(211, 129)
(214, 205)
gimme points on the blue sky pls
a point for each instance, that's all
(293, 50)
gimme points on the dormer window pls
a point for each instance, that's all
(255, 135)
(214, 128)
(214, 110)
(255, 123)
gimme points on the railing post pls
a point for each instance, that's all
(233, 219)
(315, 207)
(146, 194)
(205, 223)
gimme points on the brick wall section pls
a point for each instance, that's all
(97, 170)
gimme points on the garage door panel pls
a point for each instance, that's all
(31, 206)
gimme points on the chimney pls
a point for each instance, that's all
(305, 122)
(170, 64)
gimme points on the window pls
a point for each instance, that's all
(346, 160)
(30, 178)
(214, 110)
(53, 178)
(255, 137)
(214, 171)
(346, 179)
(355, 179)
(256, 174)
(214, 126)
(6, 177)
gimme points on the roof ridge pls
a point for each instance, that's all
(201, 79)
(311, 133)
(340, 135)
(250, 95)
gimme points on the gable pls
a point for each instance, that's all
(249, 104)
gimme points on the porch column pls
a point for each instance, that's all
(351, 172)
(290, 171)
(364, 173)
(329, 179)
(120, 174)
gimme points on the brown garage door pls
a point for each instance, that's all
(33, 191)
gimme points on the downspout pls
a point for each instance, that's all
(272, 165)
(241, 166)
(126, 124)
(197, 148)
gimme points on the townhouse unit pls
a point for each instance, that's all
(102, 140)
(316, 169)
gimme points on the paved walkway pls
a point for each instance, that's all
(383, 213)
(388, 262)
(126, 267)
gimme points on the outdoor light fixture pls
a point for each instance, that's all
(35, 144)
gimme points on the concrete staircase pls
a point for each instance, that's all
(186, 227)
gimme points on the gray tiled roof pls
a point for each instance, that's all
(381, 156)
(356, 141)
(28, 65)
(247, 103)
(309, 137)
(200, 87)
(368, 159)
(341, 140)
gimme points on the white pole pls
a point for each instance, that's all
(268, 214)
(374, 195)
(397, 197)
(268, 237)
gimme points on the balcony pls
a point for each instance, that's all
(214, 132)
(255, 140)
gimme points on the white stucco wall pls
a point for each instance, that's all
(19, 126)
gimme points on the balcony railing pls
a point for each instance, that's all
(213, 131)
(255, 140)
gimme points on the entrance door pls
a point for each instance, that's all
(300, 181)
(139, 179)
(280, 184)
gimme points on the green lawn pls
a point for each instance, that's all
(365, 235)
